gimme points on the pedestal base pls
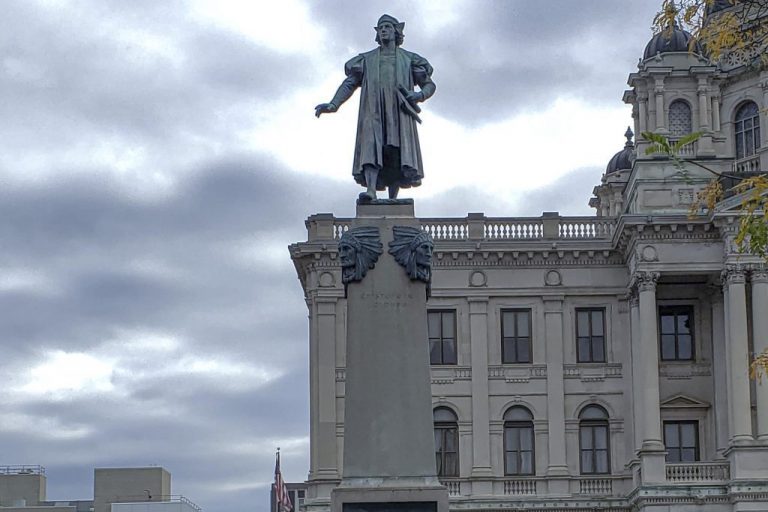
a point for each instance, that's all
(390, 496)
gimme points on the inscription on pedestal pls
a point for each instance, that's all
(416, 506)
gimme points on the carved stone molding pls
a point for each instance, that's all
(645, 281)
(733, 275)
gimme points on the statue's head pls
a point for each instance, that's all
(412, 248)
(359, 249)
(396, 26)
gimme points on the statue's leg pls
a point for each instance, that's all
(393, 190)
(371, 175)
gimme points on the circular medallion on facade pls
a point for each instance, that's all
(478, 278)
(648, 253)
(326, 280)
(553, 278)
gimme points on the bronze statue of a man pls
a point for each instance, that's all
(387, 152)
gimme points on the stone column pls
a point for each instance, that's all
(740, 422)
(478, 336)
(720, 377)
(759, 279)
(763, 115)
(557, 471)
(643, 123)
(652, 448)
(637, 375)
(702, 91)
(659, 92)
(715, 113)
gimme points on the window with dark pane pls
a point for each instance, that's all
(519, 444)
(680, 118)
(681, 438)
(747, 130)
(516, 336)
(676, 333)
(594, 446)
(590, 335)
(446, 442)
(441, 329)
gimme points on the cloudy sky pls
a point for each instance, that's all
(157, 158)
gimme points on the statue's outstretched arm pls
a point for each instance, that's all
(343, 93)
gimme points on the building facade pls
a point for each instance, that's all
(590, 363)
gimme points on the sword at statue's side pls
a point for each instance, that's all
(412, 109)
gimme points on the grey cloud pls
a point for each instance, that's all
(502, 56)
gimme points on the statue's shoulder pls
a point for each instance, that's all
(415, 58)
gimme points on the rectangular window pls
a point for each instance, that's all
(593, 445)
(441, 329)
(681, 439)
(518, 449)
(676, 333)
(516, 336)
(590, 335)
(447, 450)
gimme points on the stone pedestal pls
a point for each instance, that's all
(389, 448)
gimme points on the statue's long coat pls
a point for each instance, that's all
(373, 122)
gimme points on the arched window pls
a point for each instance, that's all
(747, 130)
(594, 447)
(446, 441)
(680, 118)
(519, 445)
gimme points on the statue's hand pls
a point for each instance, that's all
(414, 97)
(325, 108)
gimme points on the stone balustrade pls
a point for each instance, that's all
(596, 486)
(694, 472)
(520, 487)
(476, 226)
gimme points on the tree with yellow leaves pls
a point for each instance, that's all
(723, 27)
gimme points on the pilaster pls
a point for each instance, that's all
(557, 470)
(481, 449)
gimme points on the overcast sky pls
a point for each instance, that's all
(157, 158)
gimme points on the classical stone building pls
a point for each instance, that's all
(590, 363)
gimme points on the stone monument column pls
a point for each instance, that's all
(389, 449)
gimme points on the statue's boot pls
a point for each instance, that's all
(371, 175)
(393, 190)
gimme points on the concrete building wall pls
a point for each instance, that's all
(111, 485)
(22, 489)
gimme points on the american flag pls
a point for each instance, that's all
(281, 491)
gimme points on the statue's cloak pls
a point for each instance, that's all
(382, 129)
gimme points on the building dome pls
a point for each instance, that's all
(624, 158)
(670, 40)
